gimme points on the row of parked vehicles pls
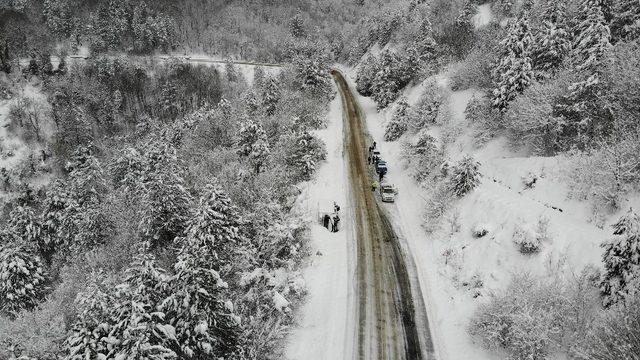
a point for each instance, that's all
(387, 191)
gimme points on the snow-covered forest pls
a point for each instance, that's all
(154, 207)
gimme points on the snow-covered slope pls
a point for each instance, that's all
(452, 262)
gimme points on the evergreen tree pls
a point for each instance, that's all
(271, 95)
(397, 126)
(86, 177)
(252, 143)
(365, 75)
(165, 206)
(214, 225)
(593, 40)
(391, 76)
(205, 323)
(296, 25)
(304, 152)
(552, 42)
(252, 103)
(625, 25)
(142, 331)
(314, 77)
(89, 334)
(59, 216)
(621, 258)
(24, 223)
(231, 72)
(514, 73)
(465, 176)
(583, 115)
(22, 277)
(58, 17)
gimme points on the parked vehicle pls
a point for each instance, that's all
(381, 167)
(388, 192)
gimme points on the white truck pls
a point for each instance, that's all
(388, 192)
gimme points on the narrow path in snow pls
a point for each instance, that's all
(386, 312)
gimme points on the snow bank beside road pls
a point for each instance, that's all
(327, 325)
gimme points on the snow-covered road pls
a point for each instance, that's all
(327, 324)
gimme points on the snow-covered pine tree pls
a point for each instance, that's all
(271, 95)
(296, 25)
(314, 77)
(252, 143)
(514, 73)
(141, 331)
(465, 176)
(552, 42)
(165, 203)
(86, 177)
(258, 76)
(420, 50)
(592, 44)
(169, 99)
(24, 223)
(231, 72)
(463, 21)
(22, 276)
(365, 75)
(621, 258)
(397, 126)
(89, 334)
(59, 217)
(591, 52)
(304, 153)
(214, 225)
(205, 323)
(252, 103)
(625, 25)
(165, 200)
(390, 77)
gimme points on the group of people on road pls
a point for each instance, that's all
(374, 159)
(331, 221)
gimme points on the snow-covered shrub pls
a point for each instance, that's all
(615, 333)
(480, 230)
(436, 206)
(542, 229)
(22, 278)
(465, 176)
(397, 126)
(605, 175)
(526, 320)
(526, 239)
(529, 180)
(621, 258)
(37, 333)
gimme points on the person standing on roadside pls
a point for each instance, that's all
(374, 185)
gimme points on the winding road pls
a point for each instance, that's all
(387, 320)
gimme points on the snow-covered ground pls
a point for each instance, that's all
(500, 203)
(327, 324)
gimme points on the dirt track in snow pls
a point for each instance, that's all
(386, 314)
